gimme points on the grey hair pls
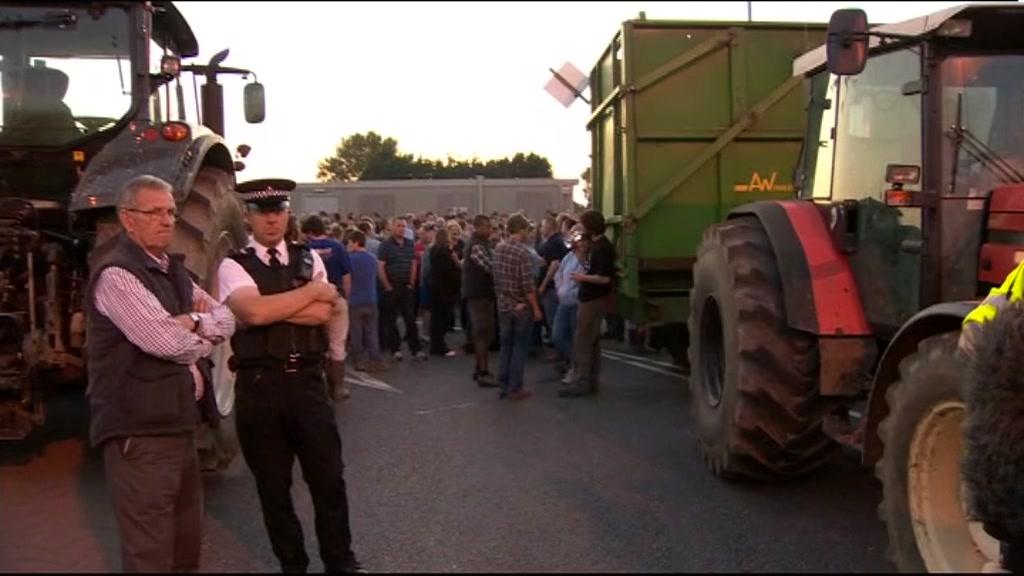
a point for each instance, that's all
(130, 191)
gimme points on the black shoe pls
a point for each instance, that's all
(354, 568)
(575, 392)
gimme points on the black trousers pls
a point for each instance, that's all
(399, 303)
(281, 416)
(441, 317)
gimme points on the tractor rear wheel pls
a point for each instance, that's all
(923, 504)
(210, 226)
(753, 380)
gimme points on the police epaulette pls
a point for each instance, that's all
(242, 253)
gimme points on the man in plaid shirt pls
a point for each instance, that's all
(515, 287)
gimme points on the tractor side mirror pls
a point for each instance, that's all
(847, 44)
(255, 105)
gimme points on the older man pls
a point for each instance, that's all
(148, 325)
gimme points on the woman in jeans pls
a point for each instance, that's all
(564, 330)
(444, 287)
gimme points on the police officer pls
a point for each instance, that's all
(280, 294)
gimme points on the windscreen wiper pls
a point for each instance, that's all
(61, 21)
(984, 154)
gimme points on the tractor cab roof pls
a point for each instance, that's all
(994, 27)
(171, 29)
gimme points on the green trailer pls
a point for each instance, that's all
(689, 120)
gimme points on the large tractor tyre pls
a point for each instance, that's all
(753, 380)
(923, 503)
(210, 226)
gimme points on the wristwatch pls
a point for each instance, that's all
(196, 318)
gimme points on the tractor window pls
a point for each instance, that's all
(877, 125)
(816, 164)
(983, 121)
(66, 73)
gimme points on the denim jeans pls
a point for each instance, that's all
(516, 330)
(549, 303)
(564, 331)
(363, 341)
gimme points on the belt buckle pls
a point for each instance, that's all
(292, 365)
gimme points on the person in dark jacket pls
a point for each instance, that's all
(148, 326)
(478, 290)
(444, 286)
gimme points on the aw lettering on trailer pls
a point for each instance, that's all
(759, 184)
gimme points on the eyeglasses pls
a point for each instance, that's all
(156, 213)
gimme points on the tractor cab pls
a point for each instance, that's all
(916, 124)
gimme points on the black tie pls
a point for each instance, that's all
(274, 262)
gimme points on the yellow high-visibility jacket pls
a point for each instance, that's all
(1011, 290)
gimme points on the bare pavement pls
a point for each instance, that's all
(444, 477)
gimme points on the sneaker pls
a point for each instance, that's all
(421, 355)
(570, 376)
(451, 353)
(398, 356)
(521, 394)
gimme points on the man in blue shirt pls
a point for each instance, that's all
(338, 267)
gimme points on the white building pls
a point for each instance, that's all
(534, 196)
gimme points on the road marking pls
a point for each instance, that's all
(443, 408)
(364, 379)
(642, 359)
(644, 366)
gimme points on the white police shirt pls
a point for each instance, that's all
(231, 275)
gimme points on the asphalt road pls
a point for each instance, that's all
(442, 476)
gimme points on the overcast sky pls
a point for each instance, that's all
(464, 79)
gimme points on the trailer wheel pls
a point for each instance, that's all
(753, 380)
(924, 504)
(211, 225)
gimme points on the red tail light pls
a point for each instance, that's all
(150, 134)
(174, 131)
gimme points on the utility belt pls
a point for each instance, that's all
(294, 363)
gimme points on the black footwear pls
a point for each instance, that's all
(354, 568)
(575, 392)
(485, 380)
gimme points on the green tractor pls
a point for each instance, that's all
(92, 97)
(833, 319)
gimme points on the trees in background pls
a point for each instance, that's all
(372, 157)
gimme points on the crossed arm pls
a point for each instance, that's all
(309, 305)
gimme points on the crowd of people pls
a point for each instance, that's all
(509, 285)
(294, 313)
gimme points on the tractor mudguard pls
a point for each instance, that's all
(819, 292)
(931, 321)
(130, 155)
(818, 287)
